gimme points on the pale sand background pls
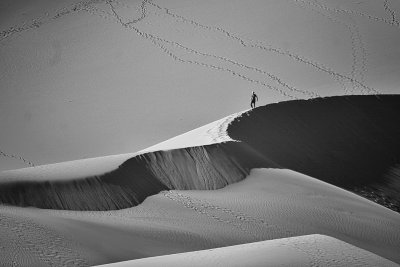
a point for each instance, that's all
(77, 83)
(81, 85)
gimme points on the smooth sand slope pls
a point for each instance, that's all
(175, 216)
(311, 250)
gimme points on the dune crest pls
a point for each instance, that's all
(349, 141)
(204, 159)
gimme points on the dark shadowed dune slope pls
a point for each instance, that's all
(349, 141)
(205, 168)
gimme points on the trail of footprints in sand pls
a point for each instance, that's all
(30, 244)
(158, 42)
(391, 12)
(359, 66)
(358, 13)
(12, 156)
(269, 48)
(84, 5)
(219, 134)
(247, 224)
(357, 44)
(45, 19)
(318, 66)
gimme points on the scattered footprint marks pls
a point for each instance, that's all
(357, 13)
(220, 133)
(267, 47)
(84, 5)
(392, 13)
(45, 19)
(246, 223)
(12, 156)
(158, 40)
(359, 54)
(31, 244)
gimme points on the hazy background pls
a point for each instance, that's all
(79, 84)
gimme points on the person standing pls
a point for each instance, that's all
(254, 98)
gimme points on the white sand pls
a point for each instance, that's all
(61, 80)
(269, 204)
(310, 250)
(79, 84)
(211, 133)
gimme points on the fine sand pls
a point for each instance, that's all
(163, 202)
(269, 204)
(310, 250)
(312, 179)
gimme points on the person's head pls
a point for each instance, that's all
(253, 93)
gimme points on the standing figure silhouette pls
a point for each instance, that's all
(254, 98)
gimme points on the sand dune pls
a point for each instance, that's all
(289, 183)
(311, 250)
(268, 204)
(256, 165)
(80, 185)
(314, 137)
(351, 141)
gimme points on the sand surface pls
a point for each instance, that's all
(310, 250)
(88, 78)
(164, 201)
(269, 204)
(212, 133)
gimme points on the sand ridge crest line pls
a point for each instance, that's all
(220, 133)
(268, 48)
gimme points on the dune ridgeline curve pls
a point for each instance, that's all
(348, 141)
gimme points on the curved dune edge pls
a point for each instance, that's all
(348, 141)
(201, 168)
(77, 185)
(309, 250)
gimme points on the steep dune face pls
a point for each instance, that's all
(350, 141)
(202, 168)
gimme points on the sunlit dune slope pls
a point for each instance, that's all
(349, 141)
(205, 158)
(310, 250)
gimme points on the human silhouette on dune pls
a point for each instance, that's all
(254, 98)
